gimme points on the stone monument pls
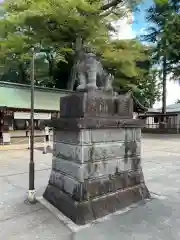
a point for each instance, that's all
(96, 166)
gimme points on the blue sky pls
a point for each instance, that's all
(139, 16)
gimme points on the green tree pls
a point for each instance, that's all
(164, 16)
(57, 24)
(129, 61)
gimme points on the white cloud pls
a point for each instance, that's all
(142, 31)
(173, 93)
(124, 28)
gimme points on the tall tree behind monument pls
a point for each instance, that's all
(164, 33)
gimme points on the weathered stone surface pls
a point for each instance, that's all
(64, 182)
(108, 135)
(125, 106)
(93, 103)
(88, 136)
(86, 211)
(112, 183)
(96, 166)
(133, 134)
(92, 170)
(96, 152)
(94, 187)
(74, 124)
(74, 137)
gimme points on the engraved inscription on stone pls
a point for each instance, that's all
(103, 107)
(125, 105)
(98, 106)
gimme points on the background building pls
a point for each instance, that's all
(15, 103)
(156, 122)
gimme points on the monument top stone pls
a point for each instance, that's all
(96, 104)
(96, 109)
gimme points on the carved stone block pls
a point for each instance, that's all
(88, 153)
(125, 106)
(96, 167)
(108, 135)
(91, 170)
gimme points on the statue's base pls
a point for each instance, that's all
(85, 212)
(96, 167)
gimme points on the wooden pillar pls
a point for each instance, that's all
(5, 136)
(1, 124)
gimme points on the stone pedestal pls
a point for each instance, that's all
(96, 168)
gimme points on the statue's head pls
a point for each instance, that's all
(89, 49)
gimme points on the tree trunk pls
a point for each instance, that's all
(164, 85)
(22, 74)
(78, 47)
(72, 79)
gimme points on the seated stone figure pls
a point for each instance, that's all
(91, 74)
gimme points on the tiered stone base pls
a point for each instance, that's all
(95, 172)
(86, 211)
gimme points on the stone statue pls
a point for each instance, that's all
(90, 73)
(86, 70)
(108, 82)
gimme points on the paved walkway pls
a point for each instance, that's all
(21, 146)
(158, 219)
(22, 133)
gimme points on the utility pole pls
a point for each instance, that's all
(32, 192)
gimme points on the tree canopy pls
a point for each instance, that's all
(54, 27)
(164, 34)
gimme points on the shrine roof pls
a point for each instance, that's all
(18, 96)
